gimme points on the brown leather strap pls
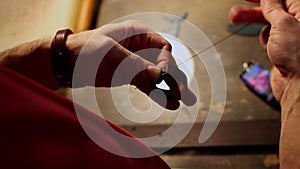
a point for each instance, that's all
(60, 58)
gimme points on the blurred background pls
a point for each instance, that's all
(248, 134)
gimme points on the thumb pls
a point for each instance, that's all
(134, 66)
(121, 66)
(148, 75)
(273, 11)
(152, 73)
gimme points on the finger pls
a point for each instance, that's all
(165, 57)
(135, 36)
(146, 77)
(119, 66)
(155, 41)
(173, 95)
(293, 8)
(264, 36)
(161, 97)
(178, 90)
(242, 14)
(164, 99)
(188, 97)
(178, 81)
(174, 85)
(274, 12)
(134, 64)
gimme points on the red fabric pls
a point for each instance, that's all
(39, 129)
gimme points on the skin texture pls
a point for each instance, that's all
(121, 42)
(280, 37)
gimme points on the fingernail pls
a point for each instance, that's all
(153, 72)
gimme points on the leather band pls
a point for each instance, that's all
(60, 58)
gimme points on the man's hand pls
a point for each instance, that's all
(280, 36)
(129, 53)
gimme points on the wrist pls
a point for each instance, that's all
(290, 128)
(32, 59)
(47, 79)
(291, 93)
(73, 47)
(75, 42)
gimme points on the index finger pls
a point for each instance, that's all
(165, 56)
(178, 81)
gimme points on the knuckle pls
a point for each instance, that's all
(107, 40)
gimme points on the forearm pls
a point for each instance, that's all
(33, 61)
(290, 125)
